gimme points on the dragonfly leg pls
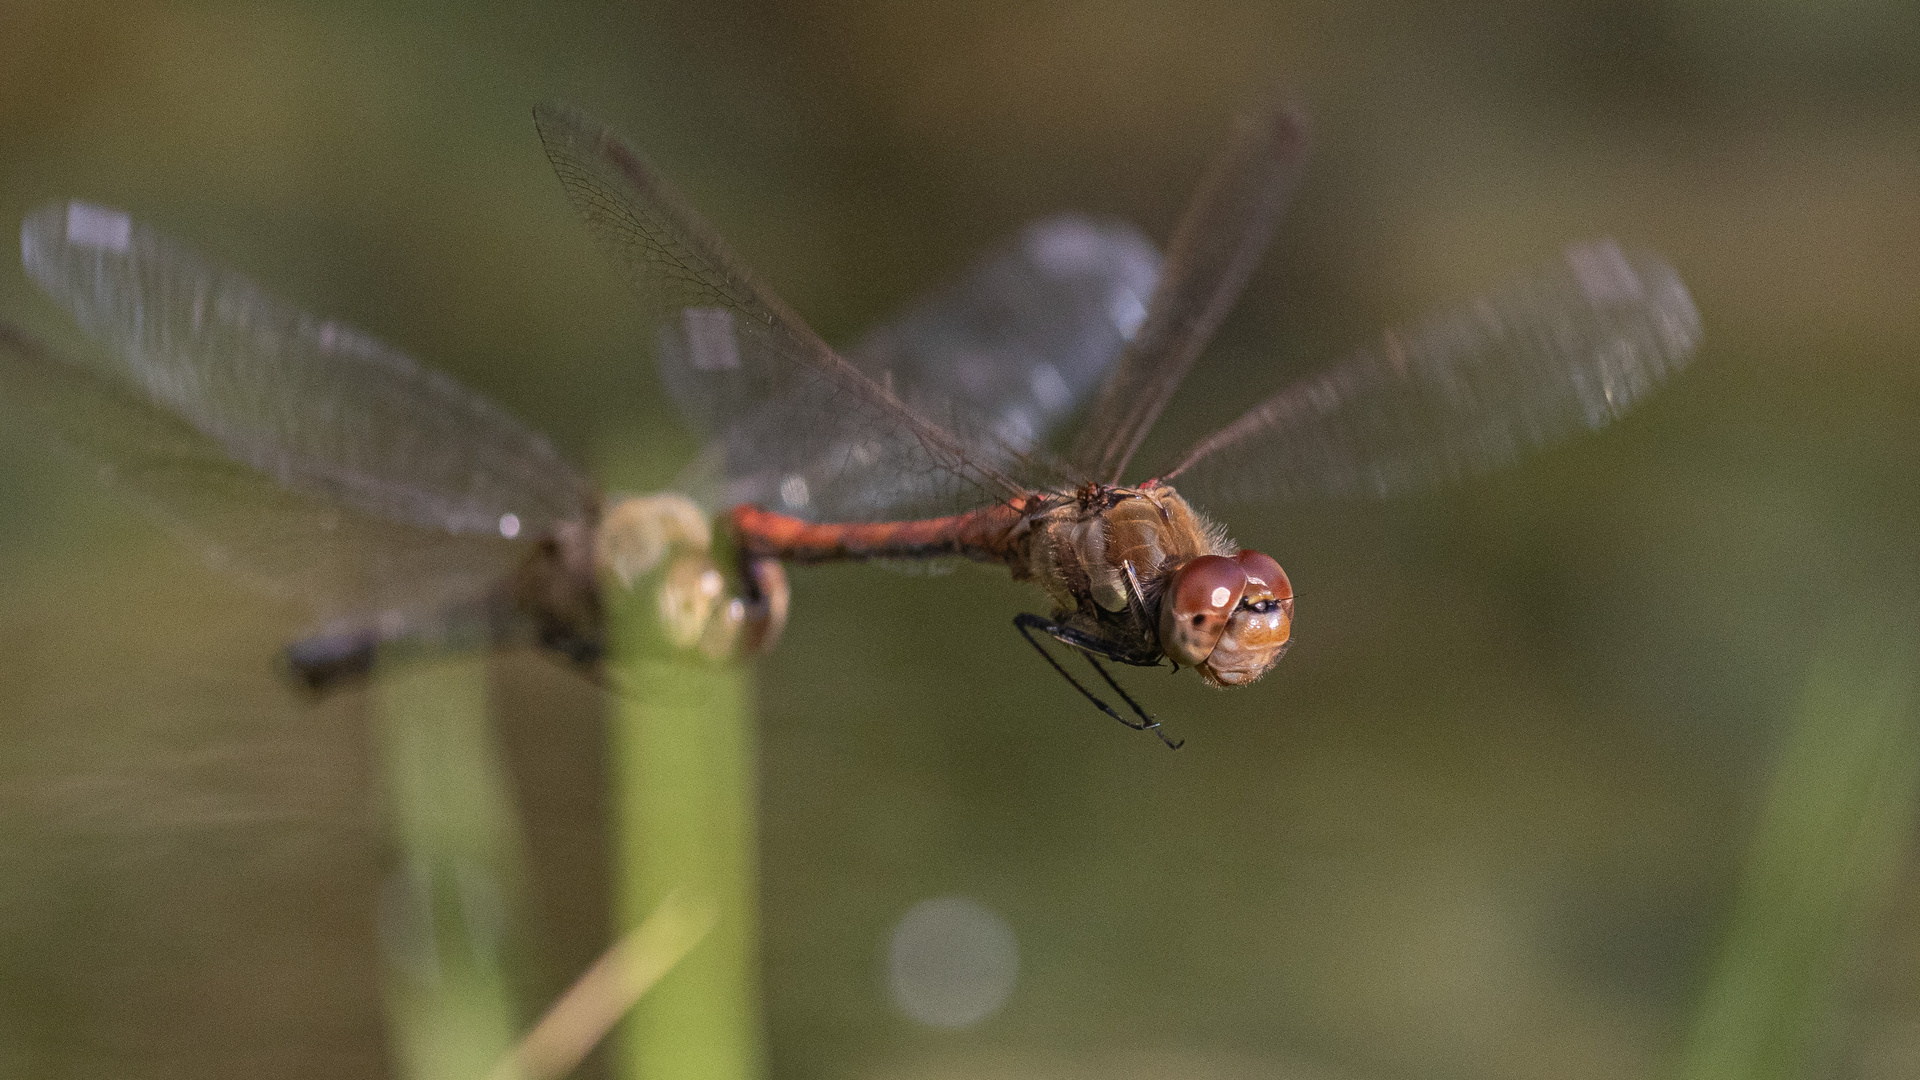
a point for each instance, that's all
(1147, 720)
(1027, 623)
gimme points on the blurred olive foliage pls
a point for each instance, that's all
(1488, 819)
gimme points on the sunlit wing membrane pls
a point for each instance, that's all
(1025, 335)
(1219, 241)
(317, 406)
(793, 424)
(233, 516)
(1465, 390)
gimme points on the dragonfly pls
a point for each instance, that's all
(995, 421)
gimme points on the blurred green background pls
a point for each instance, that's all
(1598, 768)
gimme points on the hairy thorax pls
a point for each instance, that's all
(1103, 554)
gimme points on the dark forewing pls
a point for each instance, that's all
(787, 414)
(1219, 240)
(317, 406)
(1464, 390)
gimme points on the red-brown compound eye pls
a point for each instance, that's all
(1258, 633)
(1194, 610)
(1265, 579)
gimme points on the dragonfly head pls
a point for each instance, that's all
(1229, 617)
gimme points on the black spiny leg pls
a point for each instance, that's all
(1150, 723)
(1026, 623)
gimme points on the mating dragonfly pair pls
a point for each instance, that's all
(938, 435)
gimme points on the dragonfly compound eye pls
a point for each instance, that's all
(1197, 605)
(1260, 627)
(1265, 579)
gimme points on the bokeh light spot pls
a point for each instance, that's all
(951, 962)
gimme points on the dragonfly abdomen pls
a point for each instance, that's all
(328, 659)
(987, 534)
(348, 652)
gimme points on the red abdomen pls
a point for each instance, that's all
(984, 534)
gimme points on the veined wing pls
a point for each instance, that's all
(784, 412)
(319, 407)
(1219, 240)
(1465, 390)
(1010, 349)
(235, 517)
(1020, 340)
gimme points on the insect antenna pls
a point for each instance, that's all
(1026, 623)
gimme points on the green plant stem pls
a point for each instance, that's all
(1831, 837)
(447, 905)
(682, 755)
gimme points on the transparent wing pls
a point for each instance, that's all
(1219, 240)
(1022, 339)
(315, 405)
(1465, 390)
(280, 542)
(791, 422)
